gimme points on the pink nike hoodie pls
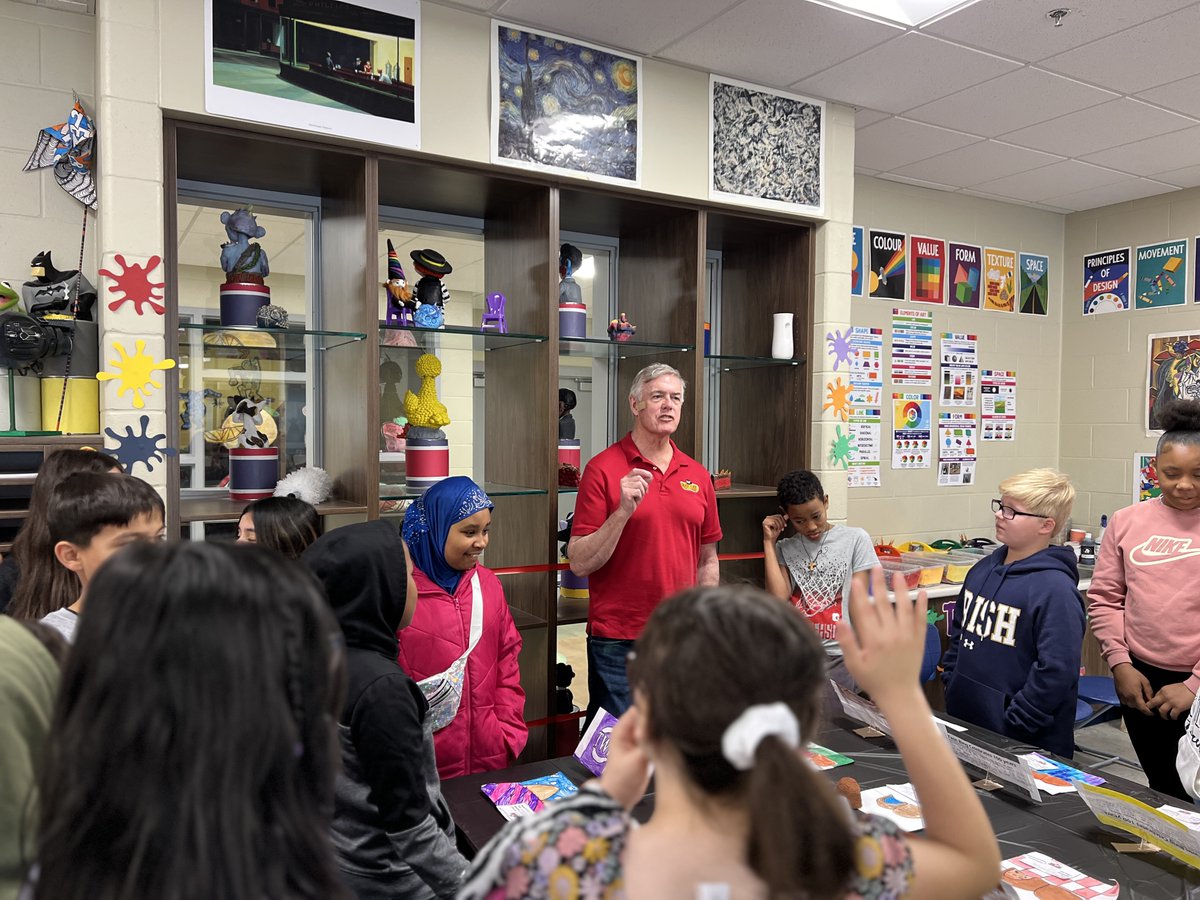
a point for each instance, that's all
(1145, 594)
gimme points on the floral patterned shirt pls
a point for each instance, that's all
(575, 850)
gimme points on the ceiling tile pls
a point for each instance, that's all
(1183, 95)
(976, 163)
(1080, 133)
(1012, 101)
(481, 5)
(1161, 153)
(1039, 185)
(895, 142)
(776, 42)
(1152, 53)
(905, 72)
(1134, 189)
(931, 185)
(860, 170)
(1189, 176)
(1022, 31)
(865, 117)
(642, 28)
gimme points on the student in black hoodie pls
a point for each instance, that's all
(392, 830)
(1016, 634)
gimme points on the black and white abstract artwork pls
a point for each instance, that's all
(768, 148)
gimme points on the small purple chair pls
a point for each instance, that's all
(493, 316)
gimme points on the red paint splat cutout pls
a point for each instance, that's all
(134, 282)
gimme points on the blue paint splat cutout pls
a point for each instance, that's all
(138, 448)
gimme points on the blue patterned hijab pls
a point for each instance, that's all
(428, 521)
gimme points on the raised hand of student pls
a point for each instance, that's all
(884, 647)
(773, 528)
(627, 772)
(1171, 701)
(1133, 688)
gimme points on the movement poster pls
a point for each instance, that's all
(1161, 275)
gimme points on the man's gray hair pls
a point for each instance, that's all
(648, 374)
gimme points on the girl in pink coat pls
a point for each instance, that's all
(462, 645)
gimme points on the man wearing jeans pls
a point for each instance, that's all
(645, 527)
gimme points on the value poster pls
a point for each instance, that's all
(1161, 275)
(1035, 273)
(912, 346)
(999, 280)
(960, 369)
(998, 391)
(965, 274)
(887, 276)
(1106, 282)
(928, 269)
(911, 427)
(856, 261)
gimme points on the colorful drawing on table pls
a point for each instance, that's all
(1057, 778)
(897, 802)
(592, 751)
(1036, 876)
(515, 799)
(824, 758)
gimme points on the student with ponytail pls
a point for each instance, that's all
(727, 686)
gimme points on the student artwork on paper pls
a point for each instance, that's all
(1033, 876)
(912, 346)
(998, 393)
(999, 280)
(928, 267)
(957, 446)
(1173, 373)
(960, 369)
(1145, 477)
(887, 275)
(1160, 278)
(1106, 282)
(911, 425)
(965, 275)
(1035, 274)
(856, 261)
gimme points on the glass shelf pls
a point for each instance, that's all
(480, 340)
(603, 348)
(217, 507)
(735, 363)
(234, 341)
(747, 490)
(491, 488)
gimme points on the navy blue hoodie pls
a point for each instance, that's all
(1015, 641)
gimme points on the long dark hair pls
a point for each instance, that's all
(43, 585)
(286, 525)
(705, 656)
(192, 750)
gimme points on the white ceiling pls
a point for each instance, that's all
(991, 99)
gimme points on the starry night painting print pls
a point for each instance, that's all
(566, 107)
(768, 148)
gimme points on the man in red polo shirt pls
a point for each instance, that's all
(645, 527)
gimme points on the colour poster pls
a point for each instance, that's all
(1035, 274)
(911, 431)
(965, 274)
(999, 280)
(887, 276)
(998, 392)
(1106, 282)
(928, 267)
(912, 346)
(957, 446)
(1145, 478)
(856, 261)
(1161, 275)
(960, 370)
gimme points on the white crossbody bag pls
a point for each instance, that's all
(444, 690)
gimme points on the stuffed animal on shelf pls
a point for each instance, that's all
(310, 484)
(423, 408)
(431, 295)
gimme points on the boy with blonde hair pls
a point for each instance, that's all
(1017, 631)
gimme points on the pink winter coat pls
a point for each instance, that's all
(489, 731)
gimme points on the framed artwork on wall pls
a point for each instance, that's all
(767, 147)
(1172, 373)
(349, 68)
(563, 106)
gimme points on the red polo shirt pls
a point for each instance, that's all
(659, 550)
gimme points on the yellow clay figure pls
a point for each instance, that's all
(423, 408)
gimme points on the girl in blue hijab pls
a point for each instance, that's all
(462, 646)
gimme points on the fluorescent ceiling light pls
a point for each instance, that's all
(904, 12)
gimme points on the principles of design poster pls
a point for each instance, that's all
(1106, 282)
(1161, 275)
(856, 261)
(1145, 478)
(928, 266)
(998, 391)
(965, 274)
(912, 346)
(999, 279)
(1173, 373)
(887, 276)
(1035, 277)
(911, 429)
(563, 106)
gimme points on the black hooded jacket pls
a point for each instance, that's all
(391, 825)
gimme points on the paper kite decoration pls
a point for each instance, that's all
(68, 148)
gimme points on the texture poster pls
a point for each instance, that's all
(562, 106)
(856, 261)
(999, 280)
(1161, 275)
(912, 346)
(928, 267)
(911, 424)
(956, 448)
(1035, 275)
(767, 147)
(998, 391)
(886, 278)
(1173, 373)
(1106, 282)
(966, 275)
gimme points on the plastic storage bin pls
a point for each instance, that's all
(958, 564)
(932, 567)
(892, 567)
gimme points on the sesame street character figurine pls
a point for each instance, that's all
(400, 294)
(431, 295)
(423, 408)
(427, 451)
(621, 329)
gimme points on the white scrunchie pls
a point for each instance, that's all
(742, 737)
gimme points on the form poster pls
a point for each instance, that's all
(998, 391)
(957, 446)
(960, 369)
(911, 425)
(912, 346)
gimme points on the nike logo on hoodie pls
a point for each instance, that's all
(1159, 549)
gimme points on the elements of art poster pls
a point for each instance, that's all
(912, 346)
(999, 280)
(957, 446)
(1106, 282)
(1161, 275)
(998, 391)
(1173, 373)
(965, 275)
(767, 147)
(887, 276)
(856, 261)
(928, 268)
(960, 369)
(1145, 478)
(562, 106)
(911, 431)
(865, 406)
(1035, 275)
